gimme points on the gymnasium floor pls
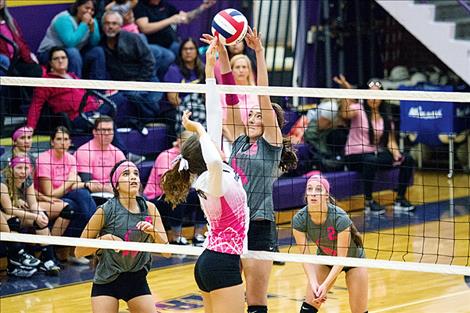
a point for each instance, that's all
(400, 236)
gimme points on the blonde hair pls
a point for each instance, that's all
(251, 76)
(10, 183)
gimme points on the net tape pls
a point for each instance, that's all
(255, 90)
(261, 255)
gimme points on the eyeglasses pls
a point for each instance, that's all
(105, 130)
(59, 58)
(375, 83)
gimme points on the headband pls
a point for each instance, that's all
(19, 160)
(121, 168)
(321, 180)
(21, 131)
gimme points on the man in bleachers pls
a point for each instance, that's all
(128, 58)
(96, 158)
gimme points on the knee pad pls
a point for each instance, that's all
(68, 212)
(257, 309)
(14, 224)
(307, 308)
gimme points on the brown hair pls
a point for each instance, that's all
(102, 119)
(10, 183)
(288, 155)
(175, 183)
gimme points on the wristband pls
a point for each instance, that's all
(227, 79)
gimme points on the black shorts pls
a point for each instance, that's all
(215, 270)
(126, 286)
(345, 268)
(262, 236)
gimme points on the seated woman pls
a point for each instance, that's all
(77, 31)
(56, 174)
(18, 202)
(371, 145)
(26, 64)
(174, 216)
(22, 140)
(65, 100)
(188, 69)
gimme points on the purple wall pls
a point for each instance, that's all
(34, 20)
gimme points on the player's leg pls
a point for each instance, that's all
(142, 304)
(357, 283)
(207, 301)
(104, 304)
(228, 300)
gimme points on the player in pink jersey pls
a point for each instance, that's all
(223, 201)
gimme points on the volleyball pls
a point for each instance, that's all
(229, 26)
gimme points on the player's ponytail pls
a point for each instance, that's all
(288, 155)
(356, 236)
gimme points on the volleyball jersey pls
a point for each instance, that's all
(224, 203)
(119, 222)
(325, 235)
(257, 165)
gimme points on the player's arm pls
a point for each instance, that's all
(343, 241)
(157, 231)
(303, 248)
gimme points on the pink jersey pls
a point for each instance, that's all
(358, 138)
(227, 216)
(97, 162)
(58, 170)
(161, 165)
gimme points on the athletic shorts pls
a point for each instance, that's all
(262, 236)
(215, 270)
(126, 286)
(345, 268)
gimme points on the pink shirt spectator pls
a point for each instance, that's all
(131, 28)
(358, 138)
(246, 103)
(92, 159)
(58, 170)
(162, 164)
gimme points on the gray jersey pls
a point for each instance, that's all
(325, 235)
(119, 222)
(257, 165)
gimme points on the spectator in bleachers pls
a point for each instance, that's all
(20, 263)
(78, 32)
(326, 135)
(170, 215)
(18, 201)
(125, 8)
(22, 140)
(188, 69)
(156, 19)
(371, 145)
(234, 50)
(26, 63)
(57, 177)
(129, 58)
(65, 100)
(97, 157)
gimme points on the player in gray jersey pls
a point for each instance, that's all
(334, 234)
(126, 217)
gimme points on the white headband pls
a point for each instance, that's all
(184, 164)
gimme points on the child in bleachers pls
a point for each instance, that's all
(125, 8)
(18, 201)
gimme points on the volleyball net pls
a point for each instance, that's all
(428, 126)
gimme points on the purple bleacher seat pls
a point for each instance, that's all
(2, 150)
(145, 168)
(153, 143)
(79, 140)
(289, 192)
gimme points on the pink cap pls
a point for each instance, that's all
(21, 131)
(121, 168)
(321, 180)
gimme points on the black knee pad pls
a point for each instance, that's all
(68, 212)
(14, 224)
(307, 308)
(257, 309)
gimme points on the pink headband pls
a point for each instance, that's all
(19, 160)
(321, 180)
(121, 168)
(21, 131)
